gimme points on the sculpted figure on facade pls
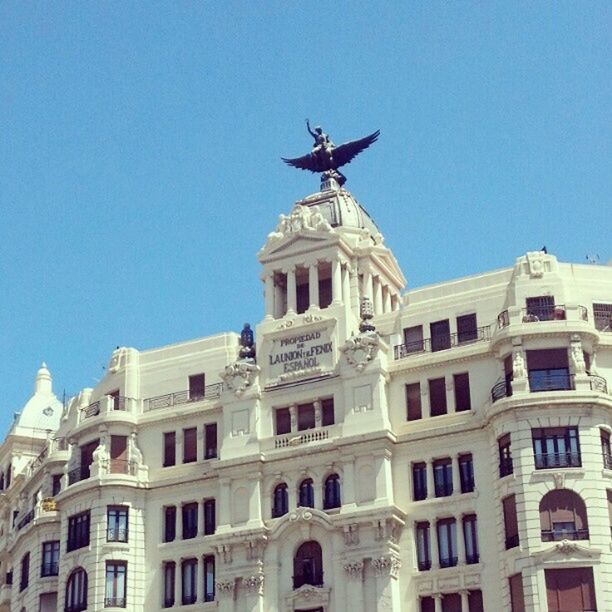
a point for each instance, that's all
(361, 349)
(301, 218)
(578, 357)
(518, 364)
(101, 458)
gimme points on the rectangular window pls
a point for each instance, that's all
(197, 387)
(118, 455)
(447, 542)
(423, 546)
(209, 578)
(510, 522)
(413, 401)
(210, 520)
(189, 572)
(190, 520)
(78, 531)
(116, 398)
(462, 392)
(602, 313)
(283, 421)
(437, 397)
(210, 441)
(427, 604)
(413, 339)
(606, 453)
(419, 481)
(470, 537)
(505, 456)
(327, 412)
(549, 370)
(540, 308)
(116, 578)
(169, 582)
(169, 523)
(440, 335)
(517, 598)
(50, 558)
(56, 484)
(466, 473)
(25, 572)
(570, 589)
(117, 524)
(443, 477)
(555, 447)
(190, 445)
(306, 416)
(169, 448)
(467, 329)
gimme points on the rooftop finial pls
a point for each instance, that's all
(43, 383)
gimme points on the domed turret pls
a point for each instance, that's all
(43, 410)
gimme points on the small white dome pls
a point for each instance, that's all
(43, 410)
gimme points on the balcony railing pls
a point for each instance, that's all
(297, 438)
(301, 580)
(607, 461)
(440, 343)
(49, 569)
(556, 460)
(598, 383)
(116, 534)
(182, 397)
(118, 402)
(77, 474)
(501, 389)
(564, 534)
(114, 602)
(554, 312)
(540, 380)
(120, 466)
(25, 520)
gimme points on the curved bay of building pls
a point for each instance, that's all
(442, 449)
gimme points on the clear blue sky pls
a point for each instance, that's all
(140, 146)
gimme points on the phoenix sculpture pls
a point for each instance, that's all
(326, 157)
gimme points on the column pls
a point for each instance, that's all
(367, 284)
(254, 587)
(353, 585)
(386, 299)
(387, 587)
(348, 482)
(438, 602)
(278, 301)
(465, 602)
(460, 539)
(291, 292)
(456, 475)
(269, 297)
(354, 290)
(293, 415)
(336, 282)
(317, 412)
(431, 488)
(313, 284)
(377, 298)
(224, 509)
(255, 499)
(384, 484)
(346, 288)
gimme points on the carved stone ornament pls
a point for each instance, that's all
(578, 358)
(565, 547)
(535, 263)
(239, 376)
(351, 535)
(308, 591)
(301, 218)
(301, 514)
(300, 373)
(361, 349)
(354, 569)
(254, 583)
(225, 587)
(387, 565)
(518, 364)
(559, 479)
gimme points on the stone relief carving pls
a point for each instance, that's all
(225, 587)
(518, 364)
(387, 565)
(361, 349)
(559, 479)
(535, 264)
(578, 358)
(254, 583)
(239, 376)
(565, 547)
(351, 535)
(301, 514)
(101, 457)
(225, 552)
(354, 569)
(301, 218)
(300, 373)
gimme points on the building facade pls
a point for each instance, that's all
(441, 449)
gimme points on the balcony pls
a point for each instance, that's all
(117, 534)
(557, 460)
(315, 580)
(565, 534)
(114, 602)
(542, 313)
(440, 343)
(49, 569)
(77, 474)
(297, 438)
(598, 383)
(182, 397)
(501, 389)
(28, 518)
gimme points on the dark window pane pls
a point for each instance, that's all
(413, 401)
(440, 335)
(437, 397)
(210, 441)
(283, 421)
(169, 448)
(197, 386)
(467, 329)
(462, 392)
(306, 416)
(327, 411)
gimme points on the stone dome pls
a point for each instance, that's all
(341, 209)
(43, 410)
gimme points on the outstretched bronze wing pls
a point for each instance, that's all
(306, 162)
(346, 152)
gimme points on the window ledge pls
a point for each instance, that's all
(455, 497)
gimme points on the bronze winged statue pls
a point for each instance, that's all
(326, 157)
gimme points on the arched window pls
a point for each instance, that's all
(308, 565)
(280, 500)
(306, 494)
(76, 591)
(563, 516)
(331, 492)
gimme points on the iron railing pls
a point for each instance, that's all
(25, 520)
(503, 319)
(545, 312)
(555, 460)
(49, 569)
(77, 474)
(182, 397)
(503, 388)
(564, 534)
(114, 602)
(598, 383)
(443, 342)
(117, 534)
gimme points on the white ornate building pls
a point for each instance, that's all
(444, 449)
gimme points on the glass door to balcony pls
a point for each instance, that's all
(440, 335)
